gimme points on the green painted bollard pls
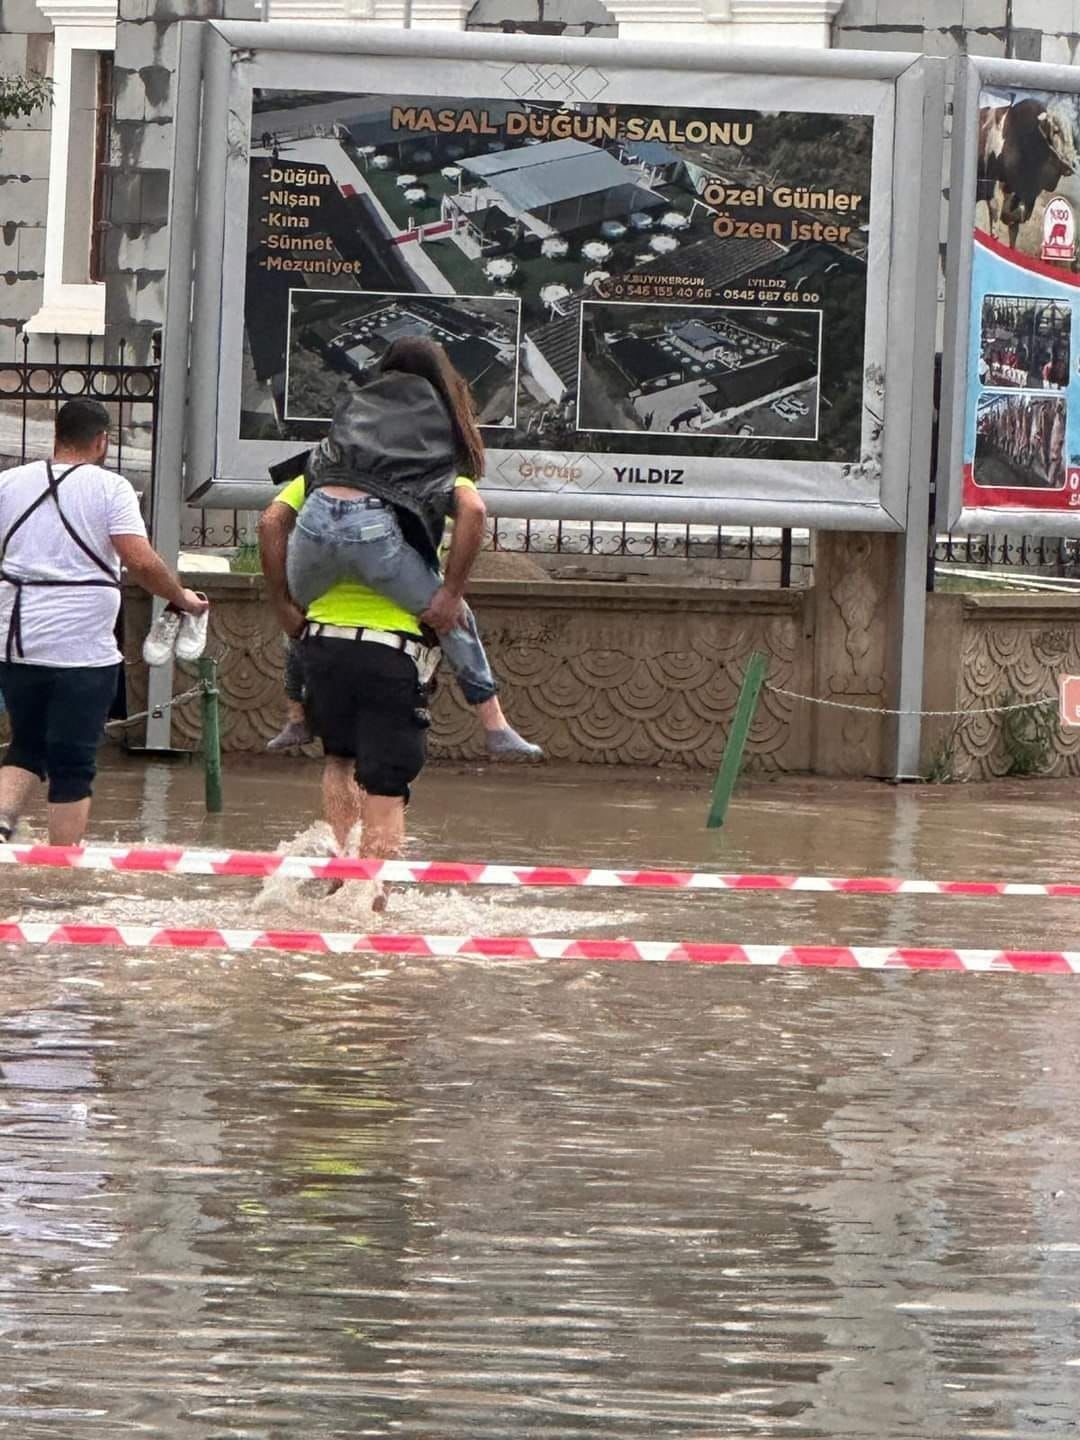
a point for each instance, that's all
(211, 735)
(731, 763)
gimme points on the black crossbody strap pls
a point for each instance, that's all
(54, 485)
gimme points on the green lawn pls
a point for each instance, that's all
(948, 584)
(384, 185)
(464, 274)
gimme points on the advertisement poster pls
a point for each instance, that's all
(1022, 437)
(612, 280)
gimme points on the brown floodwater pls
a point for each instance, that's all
(275, 1195)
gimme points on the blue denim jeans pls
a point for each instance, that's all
(361, 540)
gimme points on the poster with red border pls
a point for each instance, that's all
(1022, 425)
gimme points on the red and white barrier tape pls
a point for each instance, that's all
(543, 947)
(442, 872)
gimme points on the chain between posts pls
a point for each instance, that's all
(157, 709)
(942, 714)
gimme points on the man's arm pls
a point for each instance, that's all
(444, 612)
(146, 568)
(275, 527)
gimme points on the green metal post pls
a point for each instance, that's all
(731, 763)
(211, 735)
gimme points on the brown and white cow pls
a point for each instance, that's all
(1024, 151)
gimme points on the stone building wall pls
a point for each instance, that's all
(1047, 30)
(137, 244)
(25, 44)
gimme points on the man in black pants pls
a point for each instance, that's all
(67, 526)
(364, 665)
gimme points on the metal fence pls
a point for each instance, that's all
(765, 557)
(33, 389)
(1040, 554)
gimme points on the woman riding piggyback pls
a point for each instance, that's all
(403, 455)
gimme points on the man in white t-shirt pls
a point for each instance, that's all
(67, 527)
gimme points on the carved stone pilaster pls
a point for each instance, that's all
(854, 593)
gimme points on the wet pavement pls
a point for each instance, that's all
(280, 1196)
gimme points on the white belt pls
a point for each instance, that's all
(413, 648)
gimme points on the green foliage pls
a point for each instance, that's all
(1028, 736)
(942, 767)
(246, 561)
(22, 94)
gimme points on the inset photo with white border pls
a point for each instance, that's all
(343, 334)
(660, 369)
(1025, 343)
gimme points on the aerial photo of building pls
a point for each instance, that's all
(335, 334)
(707, 370)
(547, 190)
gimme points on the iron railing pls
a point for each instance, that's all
(765, 557)
(1051, 555)
(32, 391)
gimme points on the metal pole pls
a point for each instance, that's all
(731, 764)
(406, 18)
(211, 735)
(909, 669)
(168, 480)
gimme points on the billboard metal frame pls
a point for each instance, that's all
(209, 131)
(911, 89)
(972, 76)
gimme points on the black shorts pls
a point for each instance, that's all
(365, 703)
(58, 716)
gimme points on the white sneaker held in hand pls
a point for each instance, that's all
(191, 641)
(161, 639)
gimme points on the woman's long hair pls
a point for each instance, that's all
(414, 355)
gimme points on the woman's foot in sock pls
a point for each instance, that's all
(294, 734)
(507, 744)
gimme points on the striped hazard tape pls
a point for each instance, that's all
(542, 947)
(240, 863)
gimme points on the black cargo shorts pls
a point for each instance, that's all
(366, 704)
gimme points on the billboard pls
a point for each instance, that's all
(1011, 437)
(672, 292)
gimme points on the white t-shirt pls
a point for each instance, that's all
(64, 625)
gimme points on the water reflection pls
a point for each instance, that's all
(261, 1196)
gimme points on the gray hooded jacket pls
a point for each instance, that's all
(393, 439)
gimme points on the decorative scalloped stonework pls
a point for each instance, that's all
(1023, 647)
(602, 674)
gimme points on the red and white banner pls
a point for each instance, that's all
(542, 947)
(260, 864)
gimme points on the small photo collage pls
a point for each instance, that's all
(1024, 370)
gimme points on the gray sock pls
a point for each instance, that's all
(508, 744)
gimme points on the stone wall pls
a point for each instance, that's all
(932, 27)
(641, 674)
(612, 674)
(25, 44)
(1047, 30)
(988, 650)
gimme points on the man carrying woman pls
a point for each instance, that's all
(350, 553)
(403, 455)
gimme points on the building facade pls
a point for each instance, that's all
(84, 183)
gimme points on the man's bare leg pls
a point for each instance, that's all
(16, 787)
(341, 798)
(383, 837)
(67, 823)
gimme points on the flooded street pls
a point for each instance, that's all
(276, 1195)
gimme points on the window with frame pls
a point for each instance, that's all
(99, 207)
